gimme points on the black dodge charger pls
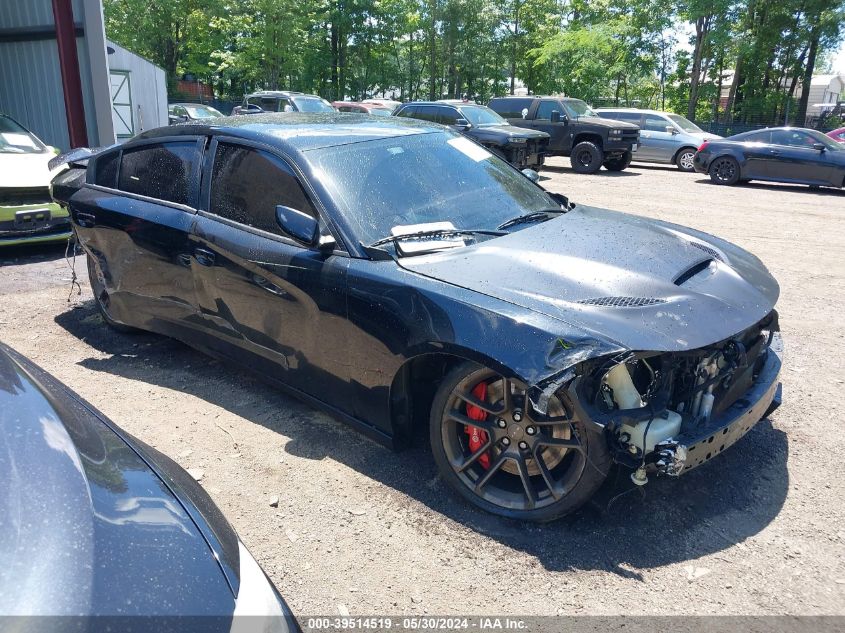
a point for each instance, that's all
(397, 274)
(100, 532)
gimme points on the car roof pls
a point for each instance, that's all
(275, 93)
(558, 97)
(299, 132)
(190, 103)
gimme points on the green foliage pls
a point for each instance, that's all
(623, 52)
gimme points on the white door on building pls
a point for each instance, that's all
(121, 104)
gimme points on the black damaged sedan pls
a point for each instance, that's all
(397, 274)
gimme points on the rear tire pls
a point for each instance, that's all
(586, 158)
(619, 164)
(724, 170)
(534, 467)
(101, 298)
(685, 159)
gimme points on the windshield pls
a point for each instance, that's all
(202, 112)
(576, 108)
(685, 124)
(481, 115)
(423, 178)
(312, 104)
(16, 139)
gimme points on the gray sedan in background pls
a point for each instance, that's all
(664, 137)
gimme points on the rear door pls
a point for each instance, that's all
(271, 303)
(134, 221)
(541, 119)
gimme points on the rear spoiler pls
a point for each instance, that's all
(74, 158)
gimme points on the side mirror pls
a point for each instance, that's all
(300, 226)
(462, 124)
(819, 146)
(532, 175)
(555, 117)
(288, 108)
(671, 129)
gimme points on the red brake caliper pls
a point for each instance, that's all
(477, 437)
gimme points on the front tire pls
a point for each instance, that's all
(619, 164)
(586, 157)
(724, 171)
(503, 457)
(101, 298)
(685, 160)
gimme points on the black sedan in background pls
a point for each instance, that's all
(402, 276)
(96, 524)
(779, 154)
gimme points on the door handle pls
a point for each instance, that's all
(267, 285)
(774, 152)
(86, 220)
(204, 257)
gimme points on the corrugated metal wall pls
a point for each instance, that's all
(30, 78)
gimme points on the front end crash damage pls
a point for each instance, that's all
(667, 412)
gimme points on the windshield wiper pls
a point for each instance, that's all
(534, 216)
(436, 233)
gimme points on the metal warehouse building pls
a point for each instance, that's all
(61, 78)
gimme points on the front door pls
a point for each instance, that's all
(269, 302)
(558, 130)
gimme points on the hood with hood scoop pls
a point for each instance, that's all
(642, 284)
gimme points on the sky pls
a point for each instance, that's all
(839, 60)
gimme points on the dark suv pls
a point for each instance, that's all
(521, 148)
(575, 130)
(282, 101)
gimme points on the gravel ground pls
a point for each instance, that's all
(760, 530)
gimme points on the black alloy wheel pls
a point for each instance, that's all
(724, 171)
(503, 456)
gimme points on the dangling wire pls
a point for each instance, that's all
(71, 263)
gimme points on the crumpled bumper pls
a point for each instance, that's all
(721, 432)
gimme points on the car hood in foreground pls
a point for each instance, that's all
(86, 527)
(689, 289)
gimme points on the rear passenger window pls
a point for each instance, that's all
(427, 113)
(164, 171)
(105, 169)
(511, 108)
(247, 184)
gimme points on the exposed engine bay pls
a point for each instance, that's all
(648, 403)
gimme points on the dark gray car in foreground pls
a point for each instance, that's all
(96, 525)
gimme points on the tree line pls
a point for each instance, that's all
(731, 60)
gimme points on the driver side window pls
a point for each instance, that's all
(247, 184)
(544, 110)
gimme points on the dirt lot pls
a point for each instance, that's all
(760, 530)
